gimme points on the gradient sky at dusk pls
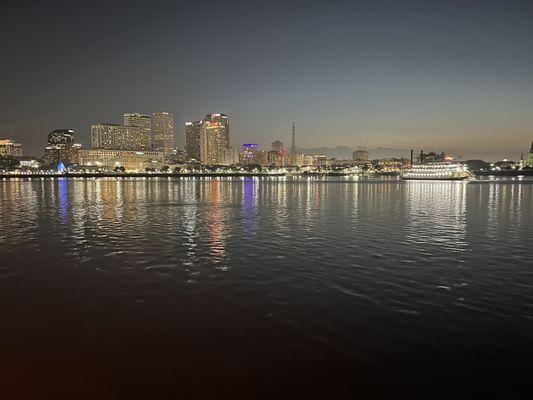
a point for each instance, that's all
(447, 75)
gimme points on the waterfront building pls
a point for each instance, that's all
(61, 147)
(10, 149)
(308, 160)
(28, 162)
(136, 161)
(505, 164)
(263, 156)
(320, 160)
(297, 160)
(214, 139)
(275, 158)
(391, 164)
(232, 156)
(163, 132)
(278, 158)
(115, 137)
(360, 155)
(250, 154)
(192, 139)
(144, 123)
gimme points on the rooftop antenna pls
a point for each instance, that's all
(293, 144)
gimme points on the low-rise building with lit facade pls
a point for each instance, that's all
(391, 164)
(10, 149)
(131, 160)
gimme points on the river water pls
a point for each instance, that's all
(243, 287)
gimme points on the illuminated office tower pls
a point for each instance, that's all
(278, 155)
(214, 139)
(115, 137)
(144, 122)
(60, 147)
(192, 139)
(163, 132)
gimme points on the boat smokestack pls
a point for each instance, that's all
(411, 156)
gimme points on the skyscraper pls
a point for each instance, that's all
(115, 137)
(214, 139)
(144, 122)
(60, 147)
(278, 155)
(192, 139)
(163, 132)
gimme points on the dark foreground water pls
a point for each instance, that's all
(158, 288)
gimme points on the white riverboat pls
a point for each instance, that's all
(442, 171)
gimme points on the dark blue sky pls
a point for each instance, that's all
(448, 75)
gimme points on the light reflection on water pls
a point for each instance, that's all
(352, 264)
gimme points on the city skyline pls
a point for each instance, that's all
(390, 75)
(334, 150)
(248, 199)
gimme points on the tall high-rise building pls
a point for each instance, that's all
(214, 139)
(144, 122)
(163, 132)
(61, 147)
(278, 155)
(192, 139)
(115, 137)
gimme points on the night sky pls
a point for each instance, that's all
(454, 76)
